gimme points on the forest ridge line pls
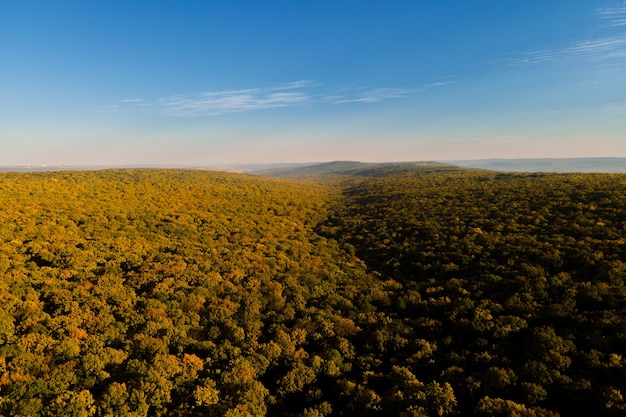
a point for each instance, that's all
(596, 164)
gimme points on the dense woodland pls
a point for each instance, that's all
(413, 290)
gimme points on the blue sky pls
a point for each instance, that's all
(219, 82)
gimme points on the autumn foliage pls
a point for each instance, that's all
(419, 292)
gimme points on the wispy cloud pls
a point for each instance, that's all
(591, 49)
(615, 108)
(375, 95)
(594, 49)
(438, 84)
(615, 15)
(213, 103)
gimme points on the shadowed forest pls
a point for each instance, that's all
(353, 290)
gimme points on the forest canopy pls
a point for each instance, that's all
(411, 291)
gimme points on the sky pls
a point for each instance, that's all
(197, 83)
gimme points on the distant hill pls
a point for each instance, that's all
(364, 169)
(353, 168)
(50, 168)
(606, 165)
(55, 168)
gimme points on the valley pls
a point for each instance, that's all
(339, 289)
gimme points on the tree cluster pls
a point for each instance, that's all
(515, 282)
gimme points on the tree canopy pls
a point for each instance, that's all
(413, 292)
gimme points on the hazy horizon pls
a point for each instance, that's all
(214, 83)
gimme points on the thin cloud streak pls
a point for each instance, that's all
(590, 50)
(215, 103)
(228, 102)
(615, 15)
(598, 49)
(615, 108)
(379, 94)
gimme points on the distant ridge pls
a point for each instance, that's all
(355, 168)
(50, 168)
(352, 168)
(602, 165)
(314, 169)
(47, 168)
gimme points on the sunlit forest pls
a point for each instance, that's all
(353, 290)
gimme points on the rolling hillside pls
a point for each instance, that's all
(410, 289)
